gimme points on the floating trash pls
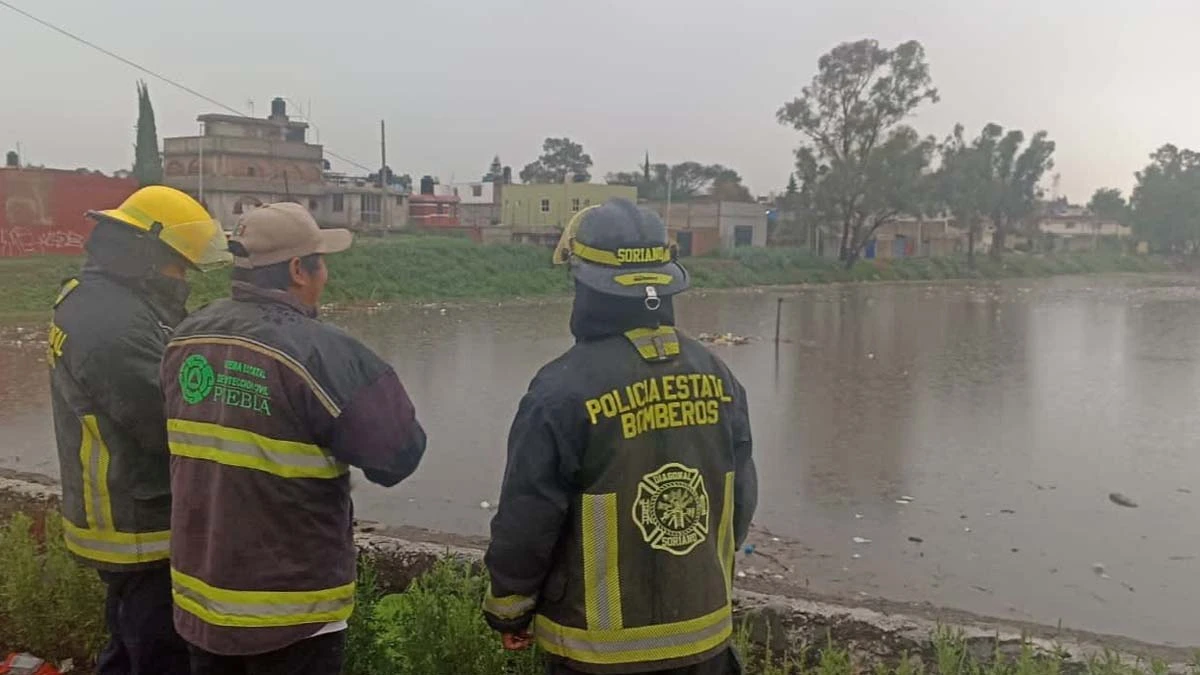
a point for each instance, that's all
(861, 540)
(723, 339)
(856, 556)
(775, 539)
(858, 516)
(967, 530)
(485, 505)
(749, 549)
(916, 540)
(1121, 500)
(741, 574)
(1098, 569)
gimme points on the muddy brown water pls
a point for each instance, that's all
(1007, 412)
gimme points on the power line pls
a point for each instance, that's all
(159, 76)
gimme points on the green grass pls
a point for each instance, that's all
(53, 608)
(424, 268)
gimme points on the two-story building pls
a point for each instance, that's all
(538, 212)
(238, 163)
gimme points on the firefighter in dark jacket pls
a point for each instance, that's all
(267, 408)
(111, 324)
(629, 482)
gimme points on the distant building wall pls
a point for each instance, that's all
(553, 205)
(43, 210)
(702, 227)
(482, 192)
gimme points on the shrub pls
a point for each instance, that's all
(49, 605)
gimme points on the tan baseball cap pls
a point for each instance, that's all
(276, 233)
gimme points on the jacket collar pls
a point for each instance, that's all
(245, 292)
(167, 297)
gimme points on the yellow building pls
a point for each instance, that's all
(551, 206)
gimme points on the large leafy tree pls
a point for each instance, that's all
(992, 178)
(1108, 204)
(850, 116)
(147, 163)
(683, 181)
(1165, 203)
(562, 159)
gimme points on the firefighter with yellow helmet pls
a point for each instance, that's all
(629, 481)
(111, 324)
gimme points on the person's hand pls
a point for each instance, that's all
(516, 642)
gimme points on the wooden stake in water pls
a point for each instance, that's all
(778, 314)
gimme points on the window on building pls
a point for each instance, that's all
(476, 190)
(545, 206)
(575, 204)
(339, 203)
(587, 202)
(399, 200)
(743, 235)
(251, 171)
(312, 205)
(1070, 226)
(371, 207)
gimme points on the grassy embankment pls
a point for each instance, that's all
(415, 268)
(53, 608)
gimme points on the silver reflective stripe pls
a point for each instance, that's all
(649, 643)
(655, 344)
(248, 610)
(600, 529)
(139, 548)
(253, 451)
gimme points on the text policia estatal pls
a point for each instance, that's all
(667, 402)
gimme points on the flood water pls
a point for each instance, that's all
(1007, 412)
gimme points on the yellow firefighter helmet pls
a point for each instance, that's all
(178, 221)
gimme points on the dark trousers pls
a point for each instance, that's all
(142, 638)
(727, 663)
(321, 655)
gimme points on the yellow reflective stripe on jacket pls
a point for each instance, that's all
(655, 344)
(248, 450)
(601, 578)
(725, 542)
(94, 459)
(260, 609)
(119, 548)
(508, 607)
(66, 289)
(660, 642)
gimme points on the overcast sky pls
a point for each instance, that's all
(684, 79)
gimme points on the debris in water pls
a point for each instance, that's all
(861, 540)
(1184, 491)
(724, 339)
(776, 539)
(858, 516)
(1016, 550)
(966, 529)
(908, 499)
(916, 540)
(1128, 587)
(1098, 568)
(741, 574)
(981, 589)
(485, 505)
(749, 549)
(1182, 557)
(1008, 511)
(856, 556)
(442, 311)
(1121, 500)
(871, 356)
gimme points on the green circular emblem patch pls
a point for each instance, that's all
(196, 379)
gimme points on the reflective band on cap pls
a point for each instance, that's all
(660, 642)
(118, 548)
(248, 450)
(623, 257)
(260, 609)
(655, 344)
(508, 607)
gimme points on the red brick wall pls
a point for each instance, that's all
(43, 211)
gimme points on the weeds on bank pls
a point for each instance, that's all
(54, 608)
(49, 605)
(399, 268)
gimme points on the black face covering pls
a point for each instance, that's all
(596, 315)
(134, 259)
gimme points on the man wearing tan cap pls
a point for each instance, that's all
(266, 408)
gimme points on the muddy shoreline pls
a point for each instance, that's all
(878, 628)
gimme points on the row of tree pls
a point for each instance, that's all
(1164, 207)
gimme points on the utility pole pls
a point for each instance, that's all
(201, 186)
(383, 179)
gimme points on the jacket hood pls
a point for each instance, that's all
(596, 315)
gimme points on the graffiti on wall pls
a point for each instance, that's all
(43, 211)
